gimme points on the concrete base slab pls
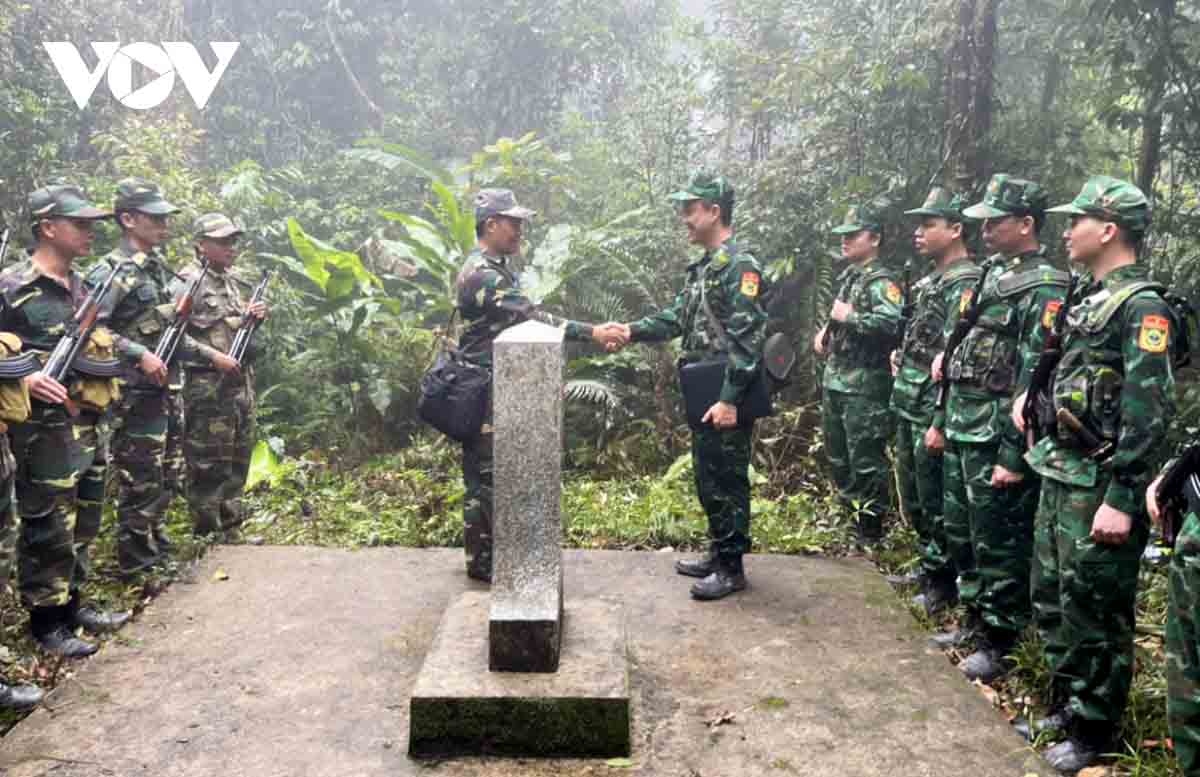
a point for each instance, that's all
(459, 708)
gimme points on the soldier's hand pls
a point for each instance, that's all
(841, 311)
(819, 342)
(258, 310)
(1111, 526)
(154, 368)
(1004, 478)
(226, 364)
(935, 441)
(722, 415)
(1018, 412)
(1152, 506)
(45, 388)
(935, 370)
(894, 360)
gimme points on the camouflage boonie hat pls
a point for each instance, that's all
(63, 201)
(941, 203)
(215, 225)
(499, 202)
(704, 185)
(1008, 196)
(1110, 199)
(143, 196)
(858, 218)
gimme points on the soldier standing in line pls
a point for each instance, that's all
(219, 406)
(862, 332)
(990, 495)
(1105, 420)
(938, 302)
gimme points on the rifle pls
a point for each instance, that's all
(1041, 383)
(906, 311)
(169, 342)
(1179, 491)
(245, 332)
(962, 327)
(67, 353)
(4, 244)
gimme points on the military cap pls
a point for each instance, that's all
(215, 225)
(63, 201)
(1110, 199)
(499, 202)
(1008, 196)
(858, 218)
(143, 196)
(941, 203)
(705, 185)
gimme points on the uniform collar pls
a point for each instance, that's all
(1126, 273)
(28, 273)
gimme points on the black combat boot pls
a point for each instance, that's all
(93, 620)
(19, 697)
(990, 660)
(911, 577)
(1058, 718)
(728, 578)
(966, 633)
(52, 630)
(1086, 742)
(938, 596)
(698, 567)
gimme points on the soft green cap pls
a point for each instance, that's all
(63, 201)
(143, 196)
(705, 185)
(941, 203)
(1008, 196)
(858, 218)
(1110, 199)
(215, 225)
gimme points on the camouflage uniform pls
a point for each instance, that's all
(732, 281)
(938, 299)
(989, 531)
(490, 300)
(1116, 377)
(138, 307)
(1183, 646)
(857, 384)
(219, 408)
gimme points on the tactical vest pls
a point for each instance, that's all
(925, 336)
(1088, 381)
(871, 351)
(988, 357)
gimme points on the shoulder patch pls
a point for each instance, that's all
(750, 282)
(894, 295)
(1050, 314)
(1155, 333)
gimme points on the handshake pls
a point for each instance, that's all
(612, 336)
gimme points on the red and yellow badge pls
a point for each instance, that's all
(1050, 314)
(964, 301)
(1155, 334)
(750, 282)
(894, 295)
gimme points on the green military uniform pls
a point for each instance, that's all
(1116, 377)
(989, 531)
(937, 302)
(490, 300)
(60, 477)
(138, 307)
(857, 383)
(732, 285)
(1183, 644)
(219, 408)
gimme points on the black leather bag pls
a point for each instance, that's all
(701, 384)
(455, 395)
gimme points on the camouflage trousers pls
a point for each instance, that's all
(1084, 595)
(220, 417)
(721, 465)
(919, 481)
(10, 522)
(477, 466)
(138, 452)
(60, 491)
(174, 459)
(857, 429)
(989, 538)
(1183, 647)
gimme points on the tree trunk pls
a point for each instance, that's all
(1150, 153)
(968, 88)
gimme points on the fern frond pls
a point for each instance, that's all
(593, 392)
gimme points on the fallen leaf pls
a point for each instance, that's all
(989, 693)
(722, 719)
(619, 763)
(1094, 771)
(220, 574)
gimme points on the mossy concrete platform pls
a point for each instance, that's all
(458, 707)
(302, 662)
